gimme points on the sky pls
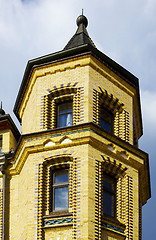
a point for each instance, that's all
(122, 29)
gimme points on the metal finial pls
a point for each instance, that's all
(82, 11)
(82, 20)
(2, 112)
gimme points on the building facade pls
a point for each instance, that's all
(75, 171)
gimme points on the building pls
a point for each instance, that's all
(76, 171)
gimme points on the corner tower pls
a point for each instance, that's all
(78, 168)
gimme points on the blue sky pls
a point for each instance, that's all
(124, 30)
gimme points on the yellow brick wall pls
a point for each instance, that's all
(8, 140)
(82, 70)
(24, 186)
(85, 148)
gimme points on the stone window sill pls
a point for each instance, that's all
(112, 224)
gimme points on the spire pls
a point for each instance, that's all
(81, 36)
(2, 112)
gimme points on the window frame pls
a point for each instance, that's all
(106, 111)
(58, 114)
(56, 186)
(113, 193)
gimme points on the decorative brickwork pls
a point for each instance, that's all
(59, 94)
(1, 212)
(76, 199)
(124, 126)
(63, 160)
(117, 124)
(113, 167)
(111, 102)
(46, 107)
(112, 227)
(121, 117)
(98, 197)
(40, 203)
(120, 199)
(129, 207)
(96, 107)
(81, 106)
(58, 221)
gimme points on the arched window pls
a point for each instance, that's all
(106, 120)
(64, 113)
(59, 189)
(109, 196)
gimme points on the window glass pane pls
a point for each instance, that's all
(107, 185)
(65, 120)
(108, 204)
(105, 125)
(65, 107)
(61, 198)
(61, 176)
(65, 116)
(106, 120)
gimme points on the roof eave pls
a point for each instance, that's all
(14, 129)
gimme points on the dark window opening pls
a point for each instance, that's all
(60, 184)
(106, 120)
(109, 196)
(0, 144)
(65, 114)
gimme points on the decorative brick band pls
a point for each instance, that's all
(40, 203)
(112, 227)
(58, 221)
(129, 207)
(76, 199)
(98, 190)
(62, 89)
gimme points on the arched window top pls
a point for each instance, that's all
(113, 167)
(62, 89)
(110, 102)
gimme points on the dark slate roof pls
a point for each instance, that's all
(81, 36)
(79, 45)
(6, 122)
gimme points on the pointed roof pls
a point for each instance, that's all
(81, 36)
